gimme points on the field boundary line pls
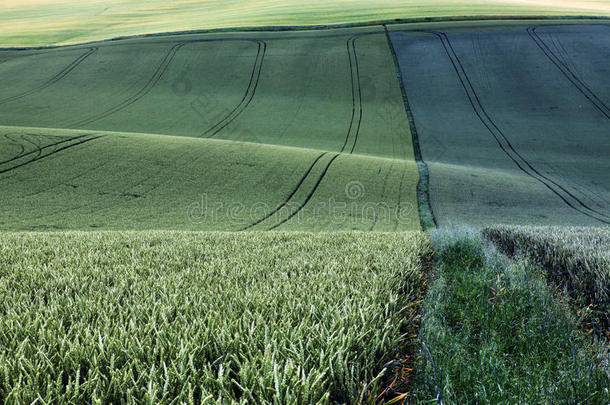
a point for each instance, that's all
(248, 95)
(568, 73)
(320, 27)
(426, 213)
(523, 164)
(63, 73)
(399, 203)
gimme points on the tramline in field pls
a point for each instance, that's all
(513, 123)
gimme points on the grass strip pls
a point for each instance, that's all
(426, 215)
(187, 317)
(492, 332)
(577, 260)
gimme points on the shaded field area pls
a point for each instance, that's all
(513, 123)
(44, 22)
(203, 317)
(322, 112)
(577, 260)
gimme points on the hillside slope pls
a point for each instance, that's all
(62, 179)
(44, 22)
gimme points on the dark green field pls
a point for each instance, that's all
(513, 123)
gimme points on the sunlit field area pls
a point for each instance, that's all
(44, 22)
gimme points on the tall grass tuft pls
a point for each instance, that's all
(577, 260)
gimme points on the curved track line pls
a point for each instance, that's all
(161, 68)
(315, 187)
(15, 142)
(568, 73)
(354, 68)
(40, 148)
(489, 123)
(525, 166)
(39, 156)
(292, 193)
(54, 79)
(248, 95)
(354, 129)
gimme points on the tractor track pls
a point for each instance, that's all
(563, 67)
(292, 193)
(40, 156)
(39, 148)
(352, 133)
(504, 143)
(161, 68)
(311, 193)
(63, 73)
(248, 95)
(15, 142)
(354, 67)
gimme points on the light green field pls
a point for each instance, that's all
(92, 180)
(203, 317)
(133, 147)
(44, 22)
(287, 89)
